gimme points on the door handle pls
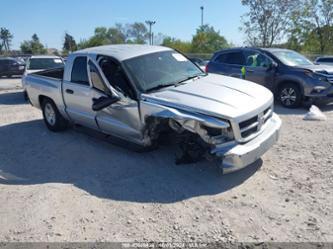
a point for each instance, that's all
(69, 91)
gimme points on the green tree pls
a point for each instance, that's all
(69, 44)
(318, 16)
(207, 40)
(174, 43)
(267, 21)
(6, 39)
(104, 36)
(33, 46)
(137, 33)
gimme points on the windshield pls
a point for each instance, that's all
(161, 69)
(44, 63)
(292, 58)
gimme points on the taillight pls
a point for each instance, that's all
(206, 68)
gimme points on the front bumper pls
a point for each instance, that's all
(242, 155)
(324, 97)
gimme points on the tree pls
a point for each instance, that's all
(104, 36)
(34, 46)
(323, 43)
(207, 40)
(267, 21)
(318, 15)
(137, 33)
(174, 43)
(69, 44)
(6, 39)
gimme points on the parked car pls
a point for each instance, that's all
(10, 66)
(137, 92)
(292, 77)
(43, 62)
(199, 62)
(40, 63)
(325, 60)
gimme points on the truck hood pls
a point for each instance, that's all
(324, 69)
(216, 95)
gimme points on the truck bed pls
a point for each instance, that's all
(46, 83)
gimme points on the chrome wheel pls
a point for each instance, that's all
(50, 114)
(288, 96)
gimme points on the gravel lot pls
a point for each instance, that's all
(76, 186)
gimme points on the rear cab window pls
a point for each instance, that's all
(79, 74)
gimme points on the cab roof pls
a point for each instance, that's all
(124, 51)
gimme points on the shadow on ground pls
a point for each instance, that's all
(12, 98)
(30, 154)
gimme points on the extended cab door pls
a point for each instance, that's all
(259, 68)
(77, 94)
(121, 119)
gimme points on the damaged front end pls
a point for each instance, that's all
(196, 135)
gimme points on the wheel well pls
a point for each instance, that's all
(282, 83)
(42, 98)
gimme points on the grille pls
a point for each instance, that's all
(254, 124)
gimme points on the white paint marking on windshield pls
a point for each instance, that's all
(179, 57)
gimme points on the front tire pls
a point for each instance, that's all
(53, 119)
(290, 95)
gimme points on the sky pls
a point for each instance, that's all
(50, 19)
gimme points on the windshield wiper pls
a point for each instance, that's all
(159, 87)
(189, 78)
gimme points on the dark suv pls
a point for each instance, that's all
(290, 76)
(10, 67)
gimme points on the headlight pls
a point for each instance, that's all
(316, 76)
(219, 135)
(318, 89)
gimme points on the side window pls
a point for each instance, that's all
(222, 58)
(96, 79)
(325, 60)
(79, 71)
(234, 58)
(256, 59)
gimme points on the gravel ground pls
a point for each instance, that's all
(75, 186)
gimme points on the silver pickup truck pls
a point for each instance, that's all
(137, 92)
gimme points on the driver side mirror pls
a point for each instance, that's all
(103, 102)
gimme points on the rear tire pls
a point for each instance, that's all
(53, 119)
(290, 95)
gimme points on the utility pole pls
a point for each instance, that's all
(150, 23)
(202, 15)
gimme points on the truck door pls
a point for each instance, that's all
(258, 68)
(121, 119)
(78, 94)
